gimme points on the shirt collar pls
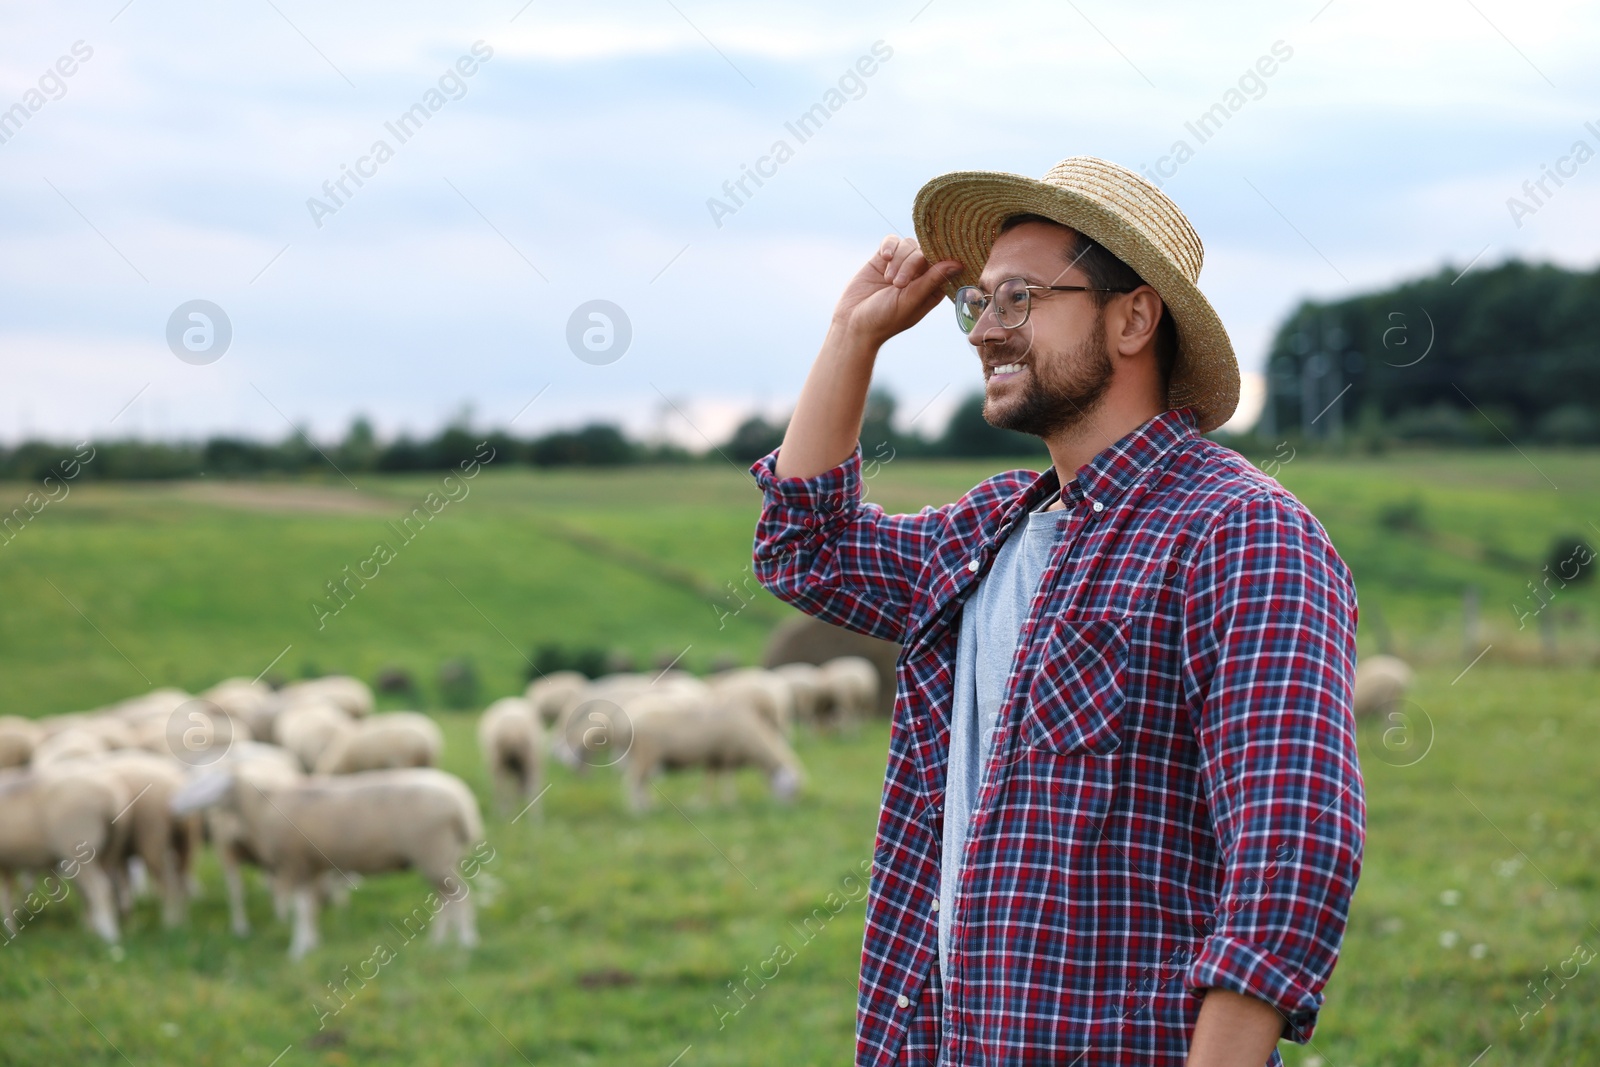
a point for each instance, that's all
(1110, 473)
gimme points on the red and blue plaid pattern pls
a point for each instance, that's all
(1173, 801)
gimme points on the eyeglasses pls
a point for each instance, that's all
(1011, 301)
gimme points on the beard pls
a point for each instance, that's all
(1062, 389)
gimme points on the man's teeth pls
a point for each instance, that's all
(1007, 368)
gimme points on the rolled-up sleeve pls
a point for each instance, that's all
(1269, 630)
(819, 547)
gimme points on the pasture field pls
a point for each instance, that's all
(610, 939)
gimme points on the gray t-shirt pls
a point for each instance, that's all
(991, 624)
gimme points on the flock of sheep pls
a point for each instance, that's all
(310, 785)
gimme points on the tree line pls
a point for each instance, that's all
(1481, 357)
(594, 445)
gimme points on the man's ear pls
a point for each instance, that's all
(1135, 326)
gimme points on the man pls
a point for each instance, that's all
(1123, 816)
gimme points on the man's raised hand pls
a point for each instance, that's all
(893, 291)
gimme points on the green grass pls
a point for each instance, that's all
(610, 939)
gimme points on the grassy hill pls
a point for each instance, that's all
(610, 939)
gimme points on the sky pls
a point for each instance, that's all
(570, 154)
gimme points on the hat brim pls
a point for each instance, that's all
(958, 216)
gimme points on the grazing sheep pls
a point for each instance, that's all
(18, 738)
(1381, 683)
(551, 695)
(50, 725)
(592, 730)
(165, 843)
(761, 692)
(667, 732)
(63, 817)
(262, 765)
(418, 818)
(252, 702)
(812, 699)
(156, 704)
(307, 729)
(511, 738)
(190, 732)
(853, 683)
(803, 639)
(351, 695)
(381, 742)
(73, 743)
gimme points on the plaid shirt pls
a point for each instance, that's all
(1172, 801)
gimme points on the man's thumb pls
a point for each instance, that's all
(932, 280)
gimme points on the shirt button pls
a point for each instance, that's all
(936, 905)
(904, 1001)
(1099, 506)
(973, 566)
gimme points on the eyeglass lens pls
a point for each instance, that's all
(1010, 309)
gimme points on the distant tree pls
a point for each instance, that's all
(969, 434)
(754, 438)
(1452, 358)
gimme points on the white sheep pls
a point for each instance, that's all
(554, 693)
(263, 765)
(163, 701)
(813, 699)
(1381, 683)
(351, 695)
(760, 691)
(62, 816)
(73, 743)
(188, 733)
(381, 742)
(853, 683)
(418, 818)
(18, 738)
(664, 731)
(586, 720)
(307, 729)
(511, 738)
(250, 701)
(165, 843)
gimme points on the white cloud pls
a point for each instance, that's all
(193, 137)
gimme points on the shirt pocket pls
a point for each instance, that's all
(1076, 697)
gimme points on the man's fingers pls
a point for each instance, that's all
(905, 249)
(929, 286)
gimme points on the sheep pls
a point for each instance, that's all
(307, 729)
(380, 742)
(166, 844)
(812, 699)
(553, 693)
(73, 743)
(351, 695)
(252, 702)
(194, 733)
(1381, 682)
(665, 731)
(511, 738)
(803, 639)
(263, 765)
(853, 683)
(63, 816)
(591, 729)
(762, 692)
(161, 701)
(368, 823)
(18, 738)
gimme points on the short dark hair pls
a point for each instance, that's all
(1106, 271)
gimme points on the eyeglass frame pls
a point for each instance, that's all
(988, 299)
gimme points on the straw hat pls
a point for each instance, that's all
(958, 216)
